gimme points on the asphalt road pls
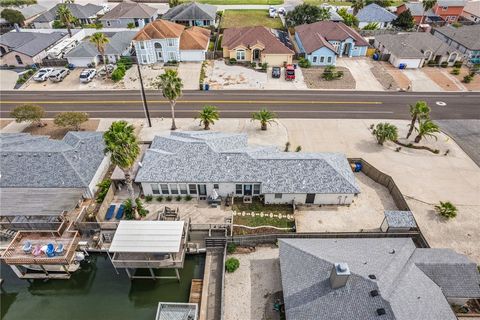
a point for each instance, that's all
(240, 104)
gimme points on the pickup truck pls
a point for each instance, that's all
(290, 72)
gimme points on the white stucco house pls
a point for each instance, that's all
(196, 163)
(162, 41)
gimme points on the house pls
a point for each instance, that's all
(413, 49)
(30, 12)
(373, 13)
(192, 14)
(36, 162)
(471, 11)
(87, 54)
(129, 12)
(465, 39)
(257, 44)
(443, 11)
(197, 163)
(21, 49)
(162, 41)
(418, 14)
(323, 41)
(449, 10)
(377, 278)
(85, 14)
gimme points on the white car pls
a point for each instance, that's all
(42, 74)
(87, 75)
(58, 74)
(281, 11)
(272, 12)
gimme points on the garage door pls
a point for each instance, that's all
(192, 55)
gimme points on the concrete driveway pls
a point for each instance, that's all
(420, 81)
(360, 70)
(8, 79)
(189, 72)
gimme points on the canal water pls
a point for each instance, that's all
(95, 292)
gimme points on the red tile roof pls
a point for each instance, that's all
(194, 38)
(159, 29)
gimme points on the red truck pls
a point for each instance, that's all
(290, 72)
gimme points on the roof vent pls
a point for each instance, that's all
(372, 276)
(339, 275)
(374, 293)
(381, 311)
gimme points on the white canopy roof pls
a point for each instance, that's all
(148, 236)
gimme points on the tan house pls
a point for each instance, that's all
(257, 44)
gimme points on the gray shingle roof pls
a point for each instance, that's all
(413, 44)
(78, 11)
(191, 11)
(225, 157)
(468, 36)
(374, 13)
(400, 219)
(130, 10)
(416, 9)
(118, 43)
(406, 292)
(38, 162)
(30, 43)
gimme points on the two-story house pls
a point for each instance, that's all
(465, 39)
(444, 10)
(162, 41)
(449, 10)
(321, 42)
(126, 13)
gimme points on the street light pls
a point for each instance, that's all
(144, 98)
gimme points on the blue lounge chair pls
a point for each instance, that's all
(59, 249)
(50, 252)
(120, 212)
(110, 212)
(27, 247)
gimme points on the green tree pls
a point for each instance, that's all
(381, 3)
(171, 86)
(385, 132)
(426, 128)
(13, 16)
(208, 116)
(418, 111)
(371, 26)
(357, 5)
(66, 17)
(404, 20)
(173, 3)
(348, 18)
(131, 25)
(134, 209)
(427, 5)
(446, 209)
(100, 41)
(122, 145)
(71, 119)
(306, 13)
(28, 113)
(265, 117)
(232, 264)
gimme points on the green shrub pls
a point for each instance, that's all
(16, 3)
(231, 247)
(232, 264)
(298, 149)
(126, 62)
(25, 76)
(188, 197)
(178, 198)
(444, 64)
(232, 61)
(446, 209)
(330, 74)
(264, 66)
(160, 198)
(467, 79)
(168, 198)
(304, 63)
(431, 63)
(119, 73)
(455, 71)
(148, 198)
(102, 190)
(458, 64)
(57, 24)
(253, 65)
(129, 215)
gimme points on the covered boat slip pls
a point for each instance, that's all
(149, 245)
(26, 249)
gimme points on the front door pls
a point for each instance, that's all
(310, 198)
(202, 189)
(247, 189)
(256, 54)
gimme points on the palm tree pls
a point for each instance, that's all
(66, 17)
(446, 209)
(100, 41)
(122, 146)
(357, 5)
(171, 86)
(427, 5)
(426, 128)
(418, 111)
(208, 116)
(384, 132)
(265, 117)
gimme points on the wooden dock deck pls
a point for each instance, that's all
(196, 291)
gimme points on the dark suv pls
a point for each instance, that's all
(276, 72)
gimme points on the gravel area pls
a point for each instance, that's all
(58, 132)
(313, 79)
(385, 78)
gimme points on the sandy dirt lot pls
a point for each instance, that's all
(313, 79)
(402, 80)
(441, 78)
(364, 214)
(472, 86)
(55, 132)
(248, 288)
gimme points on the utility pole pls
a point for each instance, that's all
(144, 98)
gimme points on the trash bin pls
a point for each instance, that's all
(375, 56)
(402, 66)
(201, 86)
(207, 86)
(358, 166)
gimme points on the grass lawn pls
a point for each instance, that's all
(249, 18)
(263, 221)
(227, 2)
(346, 3)
(258, 206)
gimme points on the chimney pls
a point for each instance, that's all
(339, 275)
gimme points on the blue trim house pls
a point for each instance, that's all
(323, 41)
(465, 39)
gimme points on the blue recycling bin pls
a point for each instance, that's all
(402, 66)
(207, 87)
(358, 166)
(375, 56)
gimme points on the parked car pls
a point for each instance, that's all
(281, 11)
(276, 72)
(272, 12)
(289, 72)
(42, 74)
(103, 70)
(59, 74)
(87, 75)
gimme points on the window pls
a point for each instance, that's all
(19, 59)
(278, 196)
(329, 59)
(142, 45)
(164, 188)
(172, 56)
(256, 189)
(322, 59)
(215, 186)
(206, 22)
(173, 188)
(444, 8)
(238, 189)
(108, 23)
(183, 188)
(240, 55)
(144, 58)
(315, 59)
(192, 188)
(155, 189)
(170, 42)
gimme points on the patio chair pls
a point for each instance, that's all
(120, 212)
(59, 249)
(27, 247)
(110, 212)
(37, 250)
(50, 252)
